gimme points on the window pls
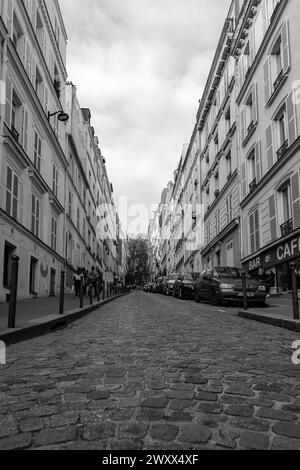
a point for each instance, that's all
(229, 164)
(17, 36)
(35, 215)
(55, 180)
(9, 251)
(16, 116)
(70, 204)
(252, 168)
(249, 115)
(12, 193)
(37, 152)
(39, 88)
(56, 31)
(229, 209)
(284, 203)
(228, 120)
(254, 231)
(53, 233)
(280, 131)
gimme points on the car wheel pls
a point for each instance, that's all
(215, 300)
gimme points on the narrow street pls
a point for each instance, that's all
(151, 372)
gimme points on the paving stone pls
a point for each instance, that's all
(8, 426)
(180, 395)
(181, 405)
(19, 442)
(44, 410)
(150, 414)
(252, 424)
(134, 430)
(240, 389)
(55, 436)
(179, 417)
(254, 440)
(154, 403)
(98, 395)
(129, 402)
(164, 432)
(283, 443)
(240, 410)
(195, 434)
(64, 419)
(275, 415)
(31, 424)
(206, 396)
(287, 429)
(95, 432)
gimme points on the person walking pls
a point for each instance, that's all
(76, 281)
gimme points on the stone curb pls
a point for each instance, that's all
(291, 325)
(18, 335)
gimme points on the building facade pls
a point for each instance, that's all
(245, 149)
(50, 184)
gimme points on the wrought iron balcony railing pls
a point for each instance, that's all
(250, 127)
(278, 80)
(283, 150)
(287, 228)
(253, 185)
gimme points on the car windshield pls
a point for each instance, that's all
(231, 273)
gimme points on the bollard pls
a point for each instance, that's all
(62, 293)
(81, 291)
(295, 292)
(245, 291)
(13, 292)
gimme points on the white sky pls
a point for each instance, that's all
(141, 66)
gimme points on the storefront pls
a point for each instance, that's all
(277, 259)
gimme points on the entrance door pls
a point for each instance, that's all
(53, 283)
(229, 255)
(32, 276)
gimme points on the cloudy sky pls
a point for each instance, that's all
(140, 66)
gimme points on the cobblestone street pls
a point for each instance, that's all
(151, 372)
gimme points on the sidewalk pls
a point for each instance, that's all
(41, 316)
(279, 312)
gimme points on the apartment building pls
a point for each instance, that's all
(51, 181)
(269, 144)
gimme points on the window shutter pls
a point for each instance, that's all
(258, 163)
(33, 14)
(252, 47)
(28, 59)
(269, 147)
(264, 15)
(273, 218)
(8, 101)
(252, 235)
(242, 125)
(255, 104)
(46, 98)
(286, 47)
(245, 233)
(291, 117)
(9, 18)
(296, 199)
(267, 81)
(33, 71)
(25, 128)
(244, 181)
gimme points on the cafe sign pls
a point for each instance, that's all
(281, 254)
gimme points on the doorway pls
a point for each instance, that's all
(32, 276)
(53, 283)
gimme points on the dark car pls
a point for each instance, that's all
(219, 285)
(185, 286)
(170, 283)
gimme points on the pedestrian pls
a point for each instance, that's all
(92, 280)
(99, 281)
(76, 281)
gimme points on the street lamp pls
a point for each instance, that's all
(62, 117)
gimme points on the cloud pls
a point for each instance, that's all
(140, 66)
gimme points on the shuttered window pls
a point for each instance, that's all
(254, 231)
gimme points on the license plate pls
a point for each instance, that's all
(240, 294)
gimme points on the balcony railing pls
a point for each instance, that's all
(278, 80)
(250, 127)
(287, 228)
(217, 193)
(253, 185)
(283, 150)
(15, 133)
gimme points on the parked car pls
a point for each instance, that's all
(170, 283)
(184, 286)
(219, 285)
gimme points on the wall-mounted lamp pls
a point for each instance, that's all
(62, 117)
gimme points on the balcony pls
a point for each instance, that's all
(278, 80)
(250, 127)
(287, 228)
(253, 185)
(283, 150)
(217, 193)
(15, 133)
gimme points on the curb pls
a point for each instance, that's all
(291, 325)
(15, 336)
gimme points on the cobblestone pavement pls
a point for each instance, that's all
(150, 372)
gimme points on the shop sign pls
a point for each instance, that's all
(279, 255)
